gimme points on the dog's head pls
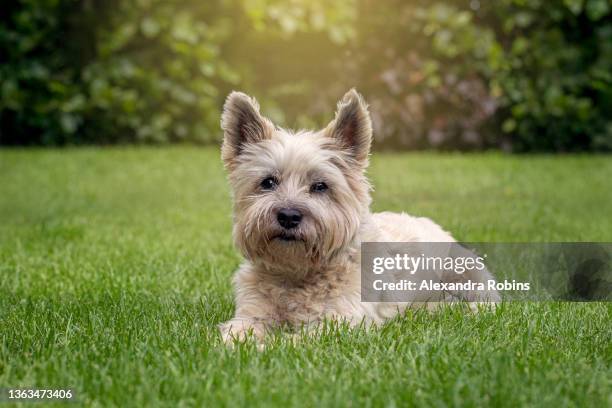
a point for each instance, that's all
(299, 198)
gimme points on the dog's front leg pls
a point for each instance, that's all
(241, 328)
(254, 316)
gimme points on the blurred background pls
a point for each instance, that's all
(516, 75)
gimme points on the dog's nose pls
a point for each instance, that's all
(289, 217)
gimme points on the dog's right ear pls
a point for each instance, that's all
(242, 124)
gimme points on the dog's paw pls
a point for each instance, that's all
(239, 331)
(477, 307)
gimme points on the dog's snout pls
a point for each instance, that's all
(289, 217)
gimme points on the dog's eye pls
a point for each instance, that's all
(269, 183)
(318, 187)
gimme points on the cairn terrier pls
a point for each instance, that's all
(301, 211)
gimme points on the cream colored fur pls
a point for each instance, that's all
(316, 276)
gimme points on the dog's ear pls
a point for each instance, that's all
(242, 124)
(352, 126)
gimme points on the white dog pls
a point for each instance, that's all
(301, 211)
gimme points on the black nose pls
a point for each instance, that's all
(289, 217)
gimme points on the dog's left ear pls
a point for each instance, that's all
(352, 127)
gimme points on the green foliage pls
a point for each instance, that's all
(425, 72)
(516, 74)
(334, 18)
(159, 71)
(96, 72)
(556, 79)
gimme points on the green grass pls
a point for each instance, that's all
(115, 269)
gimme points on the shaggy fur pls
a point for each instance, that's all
(312, 272)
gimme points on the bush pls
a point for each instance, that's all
(95, 72)
(523, 75)
(556, 78)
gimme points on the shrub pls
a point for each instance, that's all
(107, 72)
(555, 81)
(523, 75)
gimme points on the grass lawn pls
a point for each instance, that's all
(115, 269)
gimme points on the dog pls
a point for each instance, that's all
(301, 209)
